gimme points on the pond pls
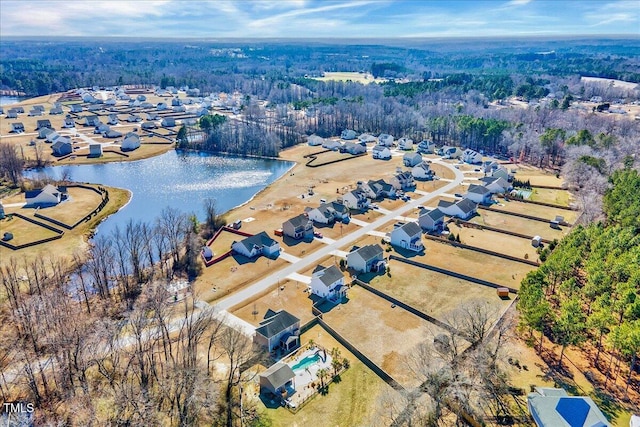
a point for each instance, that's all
(180, 179)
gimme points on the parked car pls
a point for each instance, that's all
(317, 234)
(458, 195)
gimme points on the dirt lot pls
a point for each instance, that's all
(292, 298)
(518, 225)
(23, 231)
(231, 274)
(442, 171)
(384, 334)
(433, 293)
(343, 76)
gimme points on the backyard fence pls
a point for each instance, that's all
(497, 230)
(59, 234)
(482, 250)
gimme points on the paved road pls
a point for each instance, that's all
(327, 250)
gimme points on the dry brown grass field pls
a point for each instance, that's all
(519, 225)
(80, 203)
(494, 241)
(537, 210)
(23, 232)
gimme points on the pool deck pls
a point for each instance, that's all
(305, 377)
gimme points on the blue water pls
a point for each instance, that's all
(8, 100)
(524, 193)
(306, 362)
(178, 179)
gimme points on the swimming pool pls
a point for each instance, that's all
(306, 362)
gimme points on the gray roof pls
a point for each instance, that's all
(435, 214)
(369, 252)
(466, 205)
(260, 239)
(553, 407)
(379, 148)
(278, 375)
(298, 221)
(339, 207)
(331, 274)
(478, 189)
(409, 156)
(445, 204)
(277, 323)
(489, 179)
(46, 123)
(411, 228)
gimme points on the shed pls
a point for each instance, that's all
(207, 253)
(277, 378)
(535, 242)
(554, 224)
(503, 292)
(7, 236)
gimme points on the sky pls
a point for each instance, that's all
(318, 18)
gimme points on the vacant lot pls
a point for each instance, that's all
(233, 273)
(349, 402)
(558, 197)
(79, 204)
(494, 241)
(537, 210)
(23, 231)
(536, 176)
(442, 171)
(289, 295)
(433, 293)
(343, 76)
(516, 224)
(386, 335)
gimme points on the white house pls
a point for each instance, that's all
(52, 136)
(463, 209)
(55, 111)
(489, 165)
(405, 144)
(134, 118)
(478, 194)
(69, 123)
(353, 148)
(496, 185)
(348, 134)
(367, 138)
(92, 121)
(432, 220)
(381, 152)
(17, 127)
(450, 152)
(101, 129)
(161, 106)
(407, 236)
(95, 150)
(427, 147)
(113, 119)
(43, 132)
(402, 181)
(328, 213)
(130, 142)
(355, 199)
(472, 157)
(148, 125)
(422, 171)
(378, 189)
(112, 134)
(12, 114)
(298, 227)
(412, 159)
(259, 244)
(328, 282)
(62, 146)
(330, 144)
(76, 108)
(46, 196)
(385, 139)
(366, 259)
(168, 122)
(315, 140)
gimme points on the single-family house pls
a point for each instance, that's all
(427, 147)
(43, 132)
(102, 128)
(17, 127)
(87, 97)
(45, 196)
(299, 227)
(113, 119)
(330, 144)
(553, 407)
(259, 244)
(12, 114)
(62, 146)
(39, 108)
(34, 112)
(367, 259)
(403, 181)
(153, 116)
(278, 379)
(405, 144)
(110, 101)
(355, 199)
(68, 123)
(501, 173)
(450, 152)
(176, 102)
(92, 121)
(407, 236)
(411, 159)
(422, 171)
(315, 140)
(328, 213)
(463, 209)
(133, 103)
(19, 110)
(328, 282)
(52, 137)
(367, 138)
(76, 108)
(378, 189)
(141, 98)
(112, 134)
(161, 106)
(478, 194)
(194, 91)
(55, 111)
(95, 150)
(496, 185)
(146, 105)
(471, 156)
(180, 109)
(353, 148)
(278, 330)
(489, 165)
(134, 118)
(130, 142)
(381, 152)
(348, 134)
(385, 140)
(432, 220)
(168, 122)
(148, 125)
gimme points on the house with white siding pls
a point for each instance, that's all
(478, 194)
(463, 209)
(405, 144)
(411, 159)
(328, 282)
(385, 140)
(367, 259)
(427, 147)
(45, 196)
(355, 199)
(130, 142)
(407, 236)
(403, 181)
(432, 220)
(472, 157)
(422, 171)
(496, 185)
(259, 244)
(348, 134)
(381, 152)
